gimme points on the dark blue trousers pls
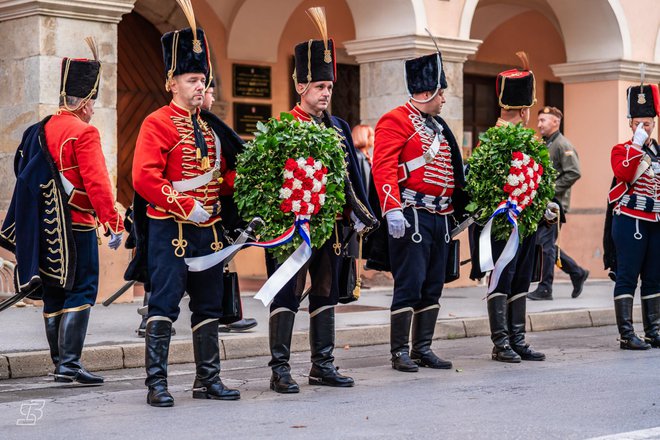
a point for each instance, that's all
(517, 275)
(637, 243)
(419, 267)
(169, 274)
(323, 268)
(86, 280)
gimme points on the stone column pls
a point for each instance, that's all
(35, 36)
(382, 83)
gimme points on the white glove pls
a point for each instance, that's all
(551, 211)
(115, 241)
(640, 136)
(396, 224)
(358, 226)
(198, 214)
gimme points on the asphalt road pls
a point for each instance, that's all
(587, 388)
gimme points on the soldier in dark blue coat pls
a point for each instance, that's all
(62, 194)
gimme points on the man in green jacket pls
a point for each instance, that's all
(565, 160)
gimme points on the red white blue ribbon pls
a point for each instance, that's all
(284, 273)
(485, 250)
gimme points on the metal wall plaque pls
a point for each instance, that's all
(251, 81)
(247, 115)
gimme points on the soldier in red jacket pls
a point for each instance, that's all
(69, 271)
(314, 79)
(636, 220)
(182, 168)
(417, 167)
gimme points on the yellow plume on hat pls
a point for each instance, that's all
(91, 42)
(317, 15)
(524, 60)
(186, 7)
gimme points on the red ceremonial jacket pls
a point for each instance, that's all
(401, 136)
(76, 150)
(635, 199)
(165, 152)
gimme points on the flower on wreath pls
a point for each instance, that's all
(301, 200)
(522, 179)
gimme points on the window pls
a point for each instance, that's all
(480, 109)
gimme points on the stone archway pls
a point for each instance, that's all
(608, 36)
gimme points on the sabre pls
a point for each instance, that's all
(246, 234)
(463, 225)
(112, 298)
(7, 303)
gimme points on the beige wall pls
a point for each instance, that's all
(534, 34)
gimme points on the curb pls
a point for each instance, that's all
(113, 357)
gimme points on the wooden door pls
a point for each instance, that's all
(140, 91)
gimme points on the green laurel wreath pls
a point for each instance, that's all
(489, 168)
(260, 174)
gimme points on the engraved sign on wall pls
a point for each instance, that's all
(247, 115)
(251, 81)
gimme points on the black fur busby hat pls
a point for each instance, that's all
(184, 54)
(516, 88)
(185, 50)
(81, 77)
(315, 59)
(643, 101)
(425, 74)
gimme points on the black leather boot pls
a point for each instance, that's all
(207, 360)
(499, 332)
(71, 338)
(423, 327)
(157, 347)
(400, 322)
(322, 344)
(517, 314)
(142, 328)
(52, 336)
(280, 331)
(623, 306)
(651, 317)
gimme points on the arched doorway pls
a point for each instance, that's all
(140, 91)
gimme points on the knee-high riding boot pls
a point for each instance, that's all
(651, 317)
(499, 329)
(423, 327)
(280, 332)
(157, 347)
(52, 324)
(208, 384)
(71, 338)
(623, 306)
(322, 344)
(400, 322)
(517, 315)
